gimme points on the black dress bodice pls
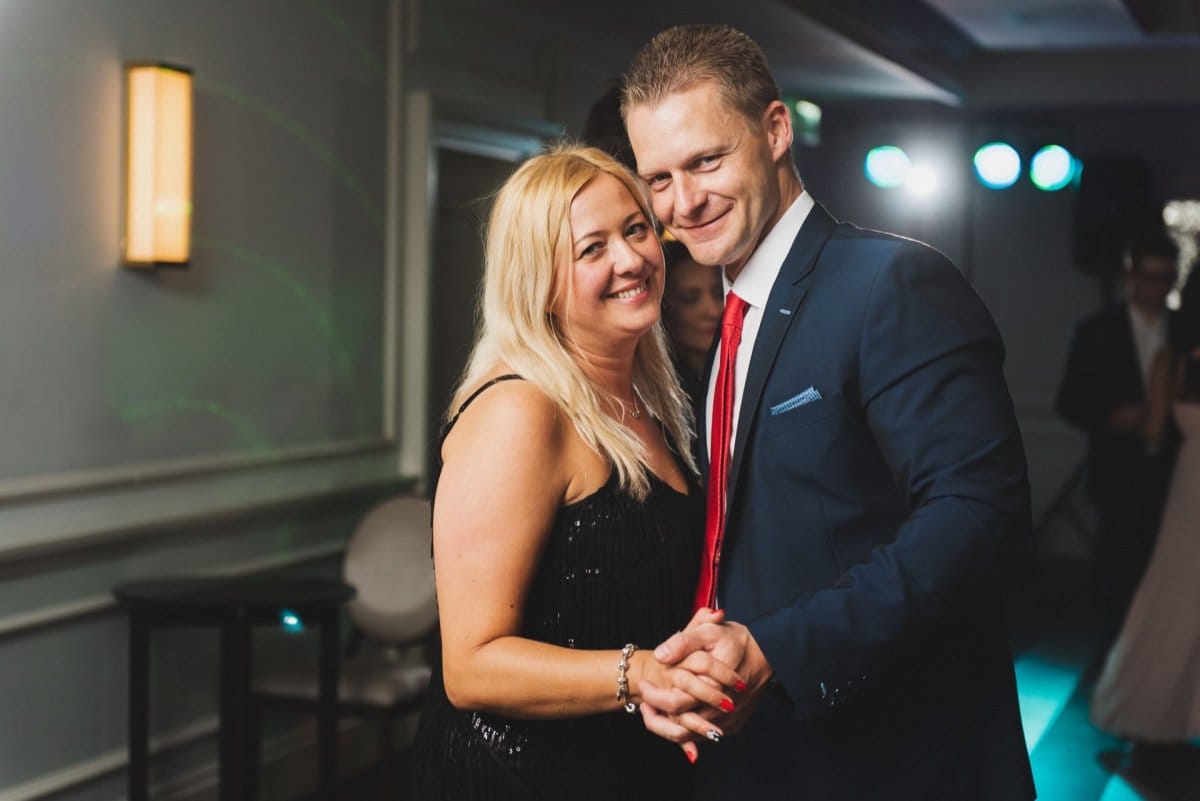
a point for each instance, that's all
(613, 571)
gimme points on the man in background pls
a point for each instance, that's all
(1103, 392)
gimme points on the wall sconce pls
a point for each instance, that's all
(158, 158)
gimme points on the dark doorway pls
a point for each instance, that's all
(465, 184)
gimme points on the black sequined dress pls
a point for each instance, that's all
(614, 571)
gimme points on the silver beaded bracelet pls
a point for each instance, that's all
(623, 681)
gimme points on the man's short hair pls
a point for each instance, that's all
(1152, 242)
(686, 55)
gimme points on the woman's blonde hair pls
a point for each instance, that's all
(527, 252)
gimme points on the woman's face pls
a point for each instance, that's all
(694, 302)
(616, 269)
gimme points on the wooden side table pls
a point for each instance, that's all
(234, 604)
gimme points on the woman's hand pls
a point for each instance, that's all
(700, 680)
(673, 715)
(697, 682)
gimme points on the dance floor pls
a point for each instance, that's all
(1059, 644)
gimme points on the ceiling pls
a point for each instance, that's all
(1031, 52)
(967, 53)
(1026, 24)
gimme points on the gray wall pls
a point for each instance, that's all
(234, 416)
(271, 340)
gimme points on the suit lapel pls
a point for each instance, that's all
(783, 307)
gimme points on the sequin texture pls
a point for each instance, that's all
(613, 571)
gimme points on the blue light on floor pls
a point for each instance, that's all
(1049, 672)
(1044, 689)
(1119, 790)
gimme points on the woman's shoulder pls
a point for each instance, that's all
(506, 445)
(514, 426)
(502, 396)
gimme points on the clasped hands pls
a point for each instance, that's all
(702, 682)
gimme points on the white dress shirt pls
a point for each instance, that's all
(753, 285)
(1149, 335)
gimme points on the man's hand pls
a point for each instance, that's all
(1127, 418)
(671, 714)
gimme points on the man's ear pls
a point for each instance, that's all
(777, 123)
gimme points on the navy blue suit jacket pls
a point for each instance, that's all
(869, 531)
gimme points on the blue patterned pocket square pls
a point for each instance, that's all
(807, 396)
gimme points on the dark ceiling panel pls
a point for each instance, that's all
(1165, 16)
(908, 32)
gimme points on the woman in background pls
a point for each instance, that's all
(567, 519)
(692, 307)
(1149, 691)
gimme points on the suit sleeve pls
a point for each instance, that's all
(934, 396)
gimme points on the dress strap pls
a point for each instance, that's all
(437, 465)
(506, 377)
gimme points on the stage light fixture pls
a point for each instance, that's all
(1052, 168)
(998, 165)
(887, 166)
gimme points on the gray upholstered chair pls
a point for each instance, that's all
(385, 673)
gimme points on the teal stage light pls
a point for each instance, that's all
(290, 622)
(806, 122)
(998, 165)
(887, 166)
(1052, 168)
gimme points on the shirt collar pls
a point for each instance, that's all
(754, 282)
(1142, 320)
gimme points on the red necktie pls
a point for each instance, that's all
(718, 471)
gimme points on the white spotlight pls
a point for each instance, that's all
(921, 181)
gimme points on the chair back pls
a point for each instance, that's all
(388, 562)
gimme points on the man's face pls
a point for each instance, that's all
(712, 172)
(1150, 281)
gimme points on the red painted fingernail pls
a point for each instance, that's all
(691, 756)
(740, 686)
(726, 704)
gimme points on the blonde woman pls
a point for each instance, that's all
(567, 520)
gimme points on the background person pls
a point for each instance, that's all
(1103, 392)
(692, 308)
(1149, 689)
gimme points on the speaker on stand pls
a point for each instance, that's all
(1113, 204)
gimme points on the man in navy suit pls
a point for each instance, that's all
(877, 492)
(1103, 392)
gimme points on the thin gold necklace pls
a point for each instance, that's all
(633, 408)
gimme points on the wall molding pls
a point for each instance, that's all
(106, 764)
(93, 545)
(103, 603)
(23, 490)
(200, 781)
